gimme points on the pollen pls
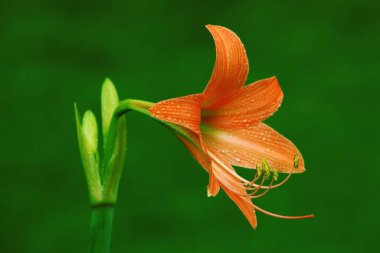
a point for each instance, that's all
(275, 174)
(266, 168)
(296, 161)
(258, 169)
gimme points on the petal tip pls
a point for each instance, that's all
(210, 26)
(209, 194)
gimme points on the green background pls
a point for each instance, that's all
(53, 53)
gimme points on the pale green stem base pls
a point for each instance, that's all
(101, 228)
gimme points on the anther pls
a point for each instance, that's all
(258, 169)
(296, 161)
(266, 168)
(275, 174)
(276, 185)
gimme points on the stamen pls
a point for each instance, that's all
(255, 189)
(266, 168)
(309, 216)
(263, 193)
(256, 177)
(258, 169)
(275, 174)
(276, 185)
(296, 161)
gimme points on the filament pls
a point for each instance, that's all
(255, 178)
(256, 189)
(309, 216)
(263, 193)
(276, 185)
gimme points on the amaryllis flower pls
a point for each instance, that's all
(223, 127)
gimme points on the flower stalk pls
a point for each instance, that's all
(101, 228)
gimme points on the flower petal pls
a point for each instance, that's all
(252, 104)
(184, 111)
(233, 186)
(213, 186)
(245, 205)
(230, 70)
(193, 144)
(249, 146)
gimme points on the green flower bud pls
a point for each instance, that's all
(109, 101)
(90, 132)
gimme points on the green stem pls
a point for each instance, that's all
(101, 228)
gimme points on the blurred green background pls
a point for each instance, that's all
(53, 53)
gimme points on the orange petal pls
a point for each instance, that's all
(245, 205)
(193, 144)
(230, 70)
(232, 185)
(184, 111)
(250, 105)
(213, 186)
(249, 146)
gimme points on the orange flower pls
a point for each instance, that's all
(222, 127)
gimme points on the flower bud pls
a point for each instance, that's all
(90, 132)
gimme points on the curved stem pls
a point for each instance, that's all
(101, 228)
(142, 106)
(133, 105)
